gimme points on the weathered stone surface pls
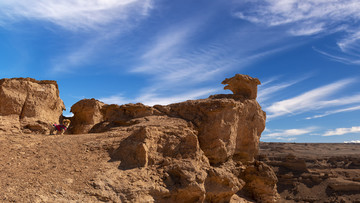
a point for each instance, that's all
(193, 151)
(29, 105)
(228, 128)
(195, 143)
(293, 163)
(339, 184)
(164, 148)
(167, 149)
(156, 138)
(87, 113)
(221, 184)
(314, 172)
(261, 182)
(242, 85)
(91, 115)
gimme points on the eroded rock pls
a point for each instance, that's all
(261, 182)
(29, 105)
(151, 144)
(87, 113)
(242, 85)
(228, 128)
(194, 151)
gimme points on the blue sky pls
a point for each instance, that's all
(306, 54)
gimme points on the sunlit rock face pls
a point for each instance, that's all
(193, 151)
(242, 85)
(28, 105)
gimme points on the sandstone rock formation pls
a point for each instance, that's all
(229, 127)
(242, 85)
(88, 113)
(28, 105)
(193, 151)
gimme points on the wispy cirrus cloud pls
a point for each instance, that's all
(318, 98)
(308, 16)
(174, 59)
(346, 59)
(115, 99)
(100, 20)
(73, 14)
(267, 90)
(287, 134)
(153, 98)
(327, 113)
(311, 17)
(342, 131)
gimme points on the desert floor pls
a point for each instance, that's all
(43, 168)
(315, 172)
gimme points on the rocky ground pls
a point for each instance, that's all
(194, 151)
(86, 168)
(72, 168)
(43, 168)
(315, 172)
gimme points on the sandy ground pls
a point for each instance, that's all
(43, 168)
(315, 172)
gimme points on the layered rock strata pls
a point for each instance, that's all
(28, 105)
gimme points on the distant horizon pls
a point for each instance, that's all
(305, 53)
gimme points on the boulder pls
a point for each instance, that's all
(29, 105)
(87, 113)
(261, 182)
(339, 184)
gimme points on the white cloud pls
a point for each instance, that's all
(115, 99)
(153, 99)
(172, 59)
(342, 131)
(104, 19)
(351, 43)
(327, 113)
(311, 17)
(266, 93)
(73, 14)
(306, 14)
(312, 100)
(287, 134)
(346, 59)
(303, 31)
(353, 141)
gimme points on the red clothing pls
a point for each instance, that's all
(59, 127)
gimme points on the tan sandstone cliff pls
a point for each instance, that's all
(28, 105)
(193, 151)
